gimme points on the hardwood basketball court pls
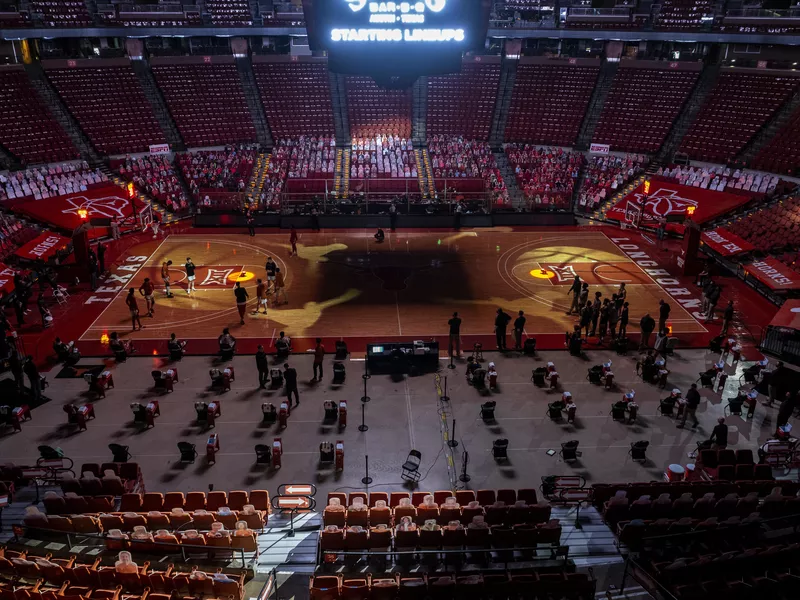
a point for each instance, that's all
(345, 285)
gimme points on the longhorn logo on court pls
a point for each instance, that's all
(663, 202)
(107, 206)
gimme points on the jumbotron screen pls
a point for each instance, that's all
(391, 39)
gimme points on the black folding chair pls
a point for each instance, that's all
(411, 466)
(119, 452)
(638, 450)
(263, 454)
(188, 452)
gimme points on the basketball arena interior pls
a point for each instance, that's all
(442, 298)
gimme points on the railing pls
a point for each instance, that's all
(602, 13)
(763, 13)
(160, 9)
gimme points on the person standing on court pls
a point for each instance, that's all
(392, 216)
(713, 298)
(165, 276)
(596, 306)
(261, 296)
(663, 314)
(319, 356)
(586, 318)
(290, 377)
(647, 325)
(280, 287)
(270, 267)
(575, 290)
(583, 298)
(727, 317)
(454, 344)
(623, 321)
(241, 300)
(519, 329)
(251, 223)
(133, 306)
(190, 267)
(262, 364)
(101, 257)
(500, 328)
(293, 237)
(146, 289)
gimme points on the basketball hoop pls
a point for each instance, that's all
(633, 215)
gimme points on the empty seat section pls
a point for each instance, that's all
(548, 103)
(207, 103)
(110, 107)
(777, 225)
(27, 129)
(782, 153)
(685, 15)
(375, 111)
(62, 13)
(735, 110)
(234, 13)
(463, 103)
(296, 98)
(641, 106)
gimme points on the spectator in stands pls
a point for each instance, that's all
(125, 564)
(156, 177)
(727, 317)
(50, 181)
(719, 435)
(647, 325)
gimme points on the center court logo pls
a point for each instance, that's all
(433, 5)
(107, 206)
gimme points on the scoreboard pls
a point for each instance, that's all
(399, 38)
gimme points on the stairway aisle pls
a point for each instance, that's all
(257, 179)
(158, 104)
(696, 99)
(60, 112)
(165, 216)
(604, 82)
(515, 193)
(338, 176)
(253, 98)
(505, 90)
(419, 112)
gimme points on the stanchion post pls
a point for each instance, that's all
(363, 427)
(365, 398)
(451, 365)
(366, 480)
(445, 397)
(464, 477)
(452, 441)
